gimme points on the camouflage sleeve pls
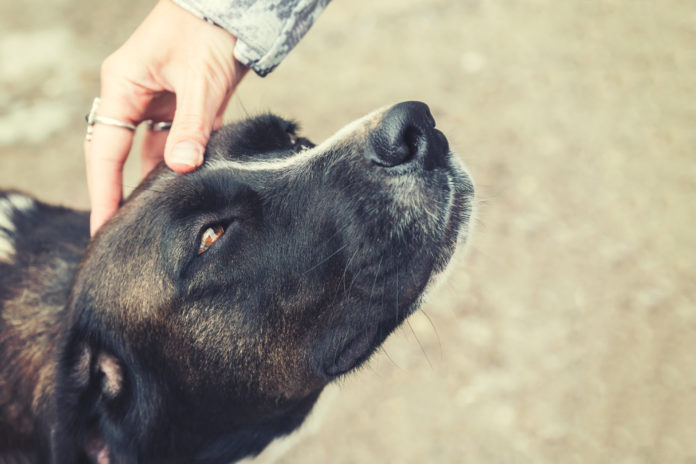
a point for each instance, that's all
(266, 30)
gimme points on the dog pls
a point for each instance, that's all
(205, 318)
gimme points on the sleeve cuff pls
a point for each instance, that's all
(266, 30)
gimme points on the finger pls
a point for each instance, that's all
(108, 149)
(154, 141)
(161, 108)
(220, 117)
(239, 73)
(219, 121)
(196, 113)
(105, 155)
(152, 150)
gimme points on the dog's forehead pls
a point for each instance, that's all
(251, 137)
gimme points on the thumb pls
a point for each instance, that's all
(193, 122)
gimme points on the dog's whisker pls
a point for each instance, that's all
(376, 372)
(338, 291)
(437, 334)
(345, 272)
(339, 231)
(350, 287)
(238, 97)
(381, 306)
(410, 326)
(396, 317)
(325, 259)
(427, 358)
(383, 349)
(374, 281)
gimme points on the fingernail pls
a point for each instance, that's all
(187, 153)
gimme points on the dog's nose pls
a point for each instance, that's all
(406, 133)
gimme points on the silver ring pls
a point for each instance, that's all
(158, 126)
(92, 118)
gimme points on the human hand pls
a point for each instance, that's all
(175, 67)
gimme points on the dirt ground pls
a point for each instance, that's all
(568, 334)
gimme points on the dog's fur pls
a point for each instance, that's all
(143, 350)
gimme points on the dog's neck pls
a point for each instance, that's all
(41, 258)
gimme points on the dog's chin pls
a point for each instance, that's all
(358, 348)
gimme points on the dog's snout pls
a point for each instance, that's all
(405, 133)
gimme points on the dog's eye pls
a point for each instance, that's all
(210, 236)
(293, 138)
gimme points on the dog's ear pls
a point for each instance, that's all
(261, 135)
(92, 400)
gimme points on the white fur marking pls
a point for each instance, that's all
(463, 240)
(9, 206)
(6, 215)
(21, 203)
(300, 159)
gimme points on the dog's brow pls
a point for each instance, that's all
(300, 159)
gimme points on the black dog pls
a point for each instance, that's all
(205, 318)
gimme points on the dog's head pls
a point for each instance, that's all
(221, 302)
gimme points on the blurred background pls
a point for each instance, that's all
(568, 333)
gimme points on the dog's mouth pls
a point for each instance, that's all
(354, 352)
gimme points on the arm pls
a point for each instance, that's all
(266, 30)
(176, 67)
